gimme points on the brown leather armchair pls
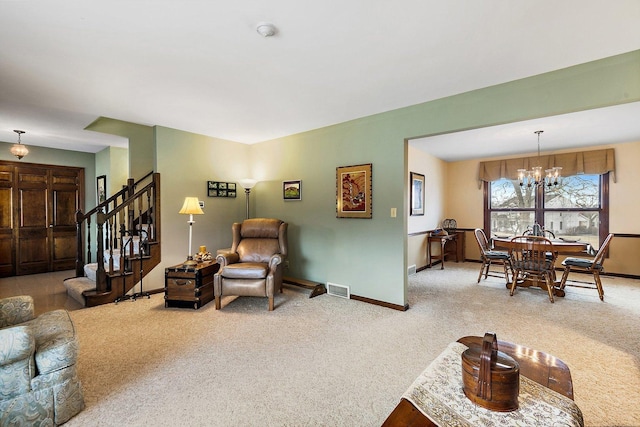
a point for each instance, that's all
(254, 264)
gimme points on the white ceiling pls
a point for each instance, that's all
(200, 66)
(611, 125)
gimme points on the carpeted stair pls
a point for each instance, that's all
(77, 285)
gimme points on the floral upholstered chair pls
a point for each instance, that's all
(39, 384)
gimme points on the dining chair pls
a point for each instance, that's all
(593, 266)
(532, 260)
(537, 230)
(489, 256)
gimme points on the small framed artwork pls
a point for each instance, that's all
(292, 190)
(353, 191)
(231, 189)
(417, 194)
(221, 189)
(101, 188)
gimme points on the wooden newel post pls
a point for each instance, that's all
(101, 275)
(79, 244)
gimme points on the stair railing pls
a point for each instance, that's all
(135, 207)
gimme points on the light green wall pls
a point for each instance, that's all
(141, 143)
(365, 254)
(186, 161)
(118, 168)
(114, 163)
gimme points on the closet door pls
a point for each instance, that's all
(6, 221)
(33, 244)
(64, 189)
(44, 231)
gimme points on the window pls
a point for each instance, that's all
(576, 209)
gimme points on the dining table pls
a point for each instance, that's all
(560, 247)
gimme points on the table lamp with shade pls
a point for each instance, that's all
(190, 207)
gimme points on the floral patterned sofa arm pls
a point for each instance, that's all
(17, 346)
(16, 310)
(39, 382)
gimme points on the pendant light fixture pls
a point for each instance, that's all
(534, 177)
(18, 149)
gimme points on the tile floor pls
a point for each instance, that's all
(47, 290)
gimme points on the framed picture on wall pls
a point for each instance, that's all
(353, 191)
(417, 194)
(221, 189)
(292, 190)
(101, 188)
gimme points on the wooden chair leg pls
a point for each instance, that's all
(486, 271)
(481, 271)
(549, 281)
(271, 303)
(565, 275)
(218, 303)
(513, 284)
(596, 277)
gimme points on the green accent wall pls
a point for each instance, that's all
(186, 161)
(114, 163)
(141, 143)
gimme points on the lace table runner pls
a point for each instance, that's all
(438, 394)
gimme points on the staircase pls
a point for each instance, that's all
(126, 246)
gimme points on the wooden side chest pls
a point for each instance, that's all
(184, 285)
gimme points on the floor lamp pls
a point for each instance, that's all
(248, 184)
(190, 207)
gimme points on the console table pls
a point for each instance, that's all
(192, 284)
(450, 244)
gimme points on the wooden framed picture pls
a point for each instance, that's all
(417, 194)
(353, 191)
(292, 190)
(101, 188)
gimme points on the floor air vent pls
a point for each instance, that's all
(338, 290)
(411, 270)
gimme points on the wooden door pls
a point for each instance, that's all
(65, 201)
(38, 205)
(7, 251)
(33, 244)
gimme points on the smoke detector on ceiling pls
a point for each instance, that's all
(266, 29)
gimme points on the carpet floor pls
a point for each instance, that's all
(329, 361)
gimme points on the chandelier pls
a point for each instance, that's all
(534, 177)
(18, 149)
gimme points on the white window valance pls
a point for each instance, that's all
(583, 162)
